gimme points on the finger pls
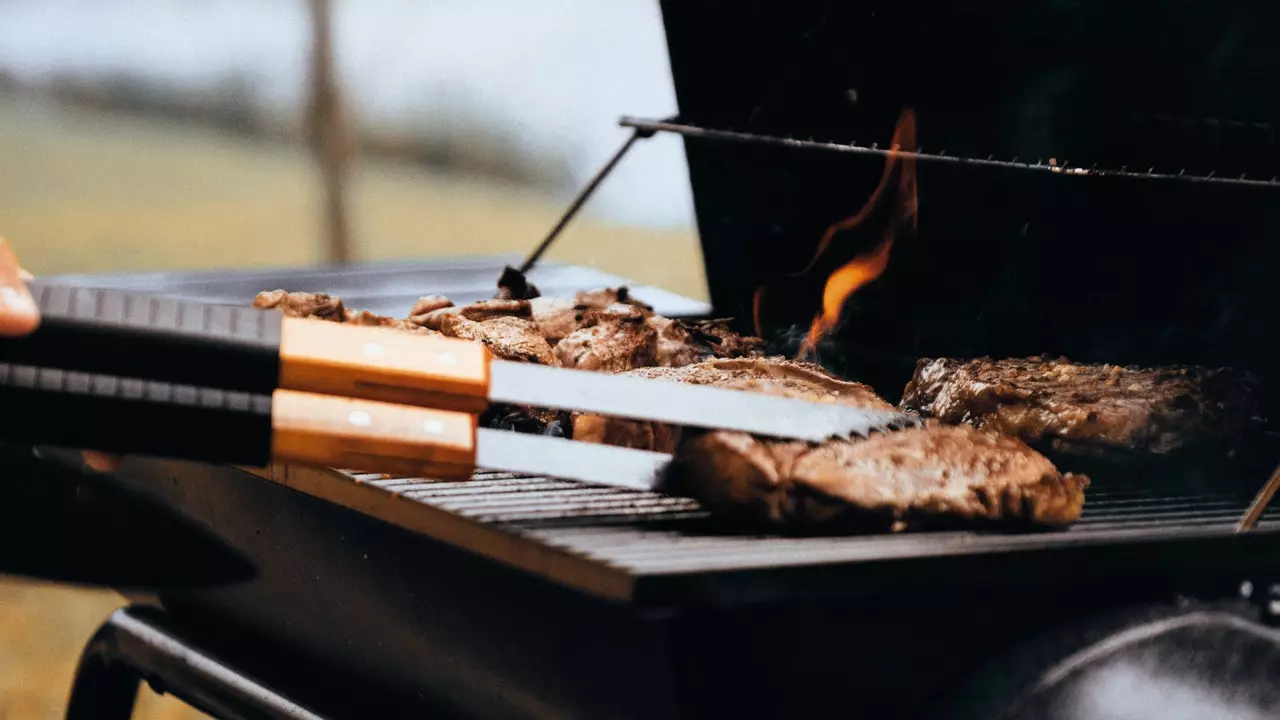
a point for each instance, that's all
(99, 461)
(18, 313)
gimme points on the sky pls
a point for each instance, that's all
(551, 76)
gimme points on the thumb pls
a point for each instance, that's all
(18, 312)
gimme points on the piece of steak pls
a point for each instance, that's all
(775, 376)
(610, 342)
(507, 337)
(933, 476)
(1084, 409)
(685, 342)
(321, 306)
(558, 317)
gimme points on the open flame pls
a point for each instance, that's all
(895, 194)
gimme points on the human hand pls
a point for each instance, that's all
(18, 312)
(20, 316)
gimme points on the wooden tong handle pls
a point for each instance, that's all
(362, 434)
(384, 364)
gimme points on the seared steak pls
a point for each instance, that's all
(558, 317)
(933, 476)
(508, 337)
(1084, 409)
(684, 342)
(320, 306)
(774, 376)
(612, 342)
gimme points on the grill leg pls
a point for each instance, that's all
(103, 689)
(134, 645)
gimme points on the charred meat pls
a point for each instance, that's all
(934, 476)
(320, 306)
(609, 342)
(506, 336)
(1084, 409)
(557, 317)
(513, 285)
(774, 376)
(684, 342)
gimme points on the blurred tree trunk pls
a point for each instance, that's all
(329, 133)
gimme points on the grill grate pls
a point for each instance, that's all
(643, 534)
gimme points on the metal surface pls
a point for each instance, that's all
(1055, 166)
(559, 458)
(386, 288)
(684, 404)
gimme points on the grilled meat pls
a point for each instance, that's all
(429, 311)
(611, 342)
(1081, 409)
(933, 476)
(558, 317)
(489, 309)
(774, 376)
(683, 342)
(320, 306)
(507, 337)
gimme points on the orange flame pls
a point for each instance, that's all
(897, 192)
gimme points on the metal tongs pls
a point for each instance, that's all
(128, 372)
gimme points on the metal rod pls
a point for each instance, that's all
(583, 195)
(694, 131)
(1260, 503)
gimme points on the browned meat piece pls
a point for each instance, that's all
(319, 306)
(682, 342)
(604, 298)
(510, 338)
(488, 309)
(364, 317)
(1088, 409)
(430, 310)
(920, 477)
(774, 376)
(557, 317)
(609, 342)
(303, 304)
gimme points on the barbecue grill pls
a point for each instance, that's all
(1094, 180)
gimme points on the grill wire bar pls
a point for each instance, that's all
(702, 133)
(647, 533)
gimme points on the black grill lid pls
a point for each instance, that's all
(1005, 262)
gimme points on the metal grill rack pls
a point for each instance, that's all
(646, 547)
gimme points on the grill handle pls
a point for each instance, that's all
(130, 334)
(45, 406)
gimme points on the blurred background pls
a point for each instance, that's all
(191, 134)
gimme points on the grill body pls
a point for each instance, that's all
(524, 598)
(519, 597)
